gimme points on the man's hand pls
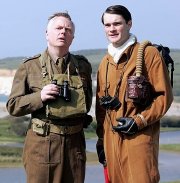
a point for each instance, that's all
(100, 153)
(49, 91)
(126, 125)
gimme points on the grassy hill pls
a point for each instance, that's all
(10, 62)
(95, 56)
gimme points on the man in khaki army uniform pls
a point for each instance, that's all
(55, 87)
(133, 94)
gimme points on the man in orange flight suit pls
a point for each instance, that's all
(127, 129)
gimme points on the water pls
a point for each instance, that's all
(3, 98)
(170, 137)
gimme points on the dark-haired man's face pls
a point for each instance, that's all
(116, 29)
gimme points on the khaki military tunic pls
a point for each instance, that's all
(53, 158)
(133, 159)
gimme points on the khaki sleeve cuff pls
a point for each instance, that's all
(36, 102)
(140, 121)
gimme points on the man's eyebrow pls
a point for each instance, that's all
(109, 23)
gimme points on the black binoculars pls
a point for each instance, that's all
(109, 102)
(64, 90)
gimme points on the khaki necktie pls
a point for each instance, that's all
(61, 64)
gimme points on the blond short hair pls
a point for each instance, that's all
(61, 14)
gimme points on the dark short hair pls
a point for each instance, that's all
(118, 10)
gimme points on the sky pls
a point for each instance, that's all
(23, 23)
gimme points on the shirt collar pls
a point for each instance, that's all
(116, 53)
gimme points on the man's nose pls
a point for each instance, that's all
(63, 30)
(112, 27)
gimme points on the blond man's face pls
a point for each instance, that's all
(60, 32)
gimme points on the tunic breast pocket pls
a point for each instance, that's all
(35, 82)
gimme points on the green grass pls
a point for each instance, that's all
(6, 134)
(89, 135)
(177, 99)
(10, 156)
(170, 147)
(178, 181)
(168, 129)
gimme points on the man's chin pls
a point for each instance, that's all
(61, 45)
(113, 41)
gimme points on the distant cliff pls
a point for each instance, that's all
(6, 79)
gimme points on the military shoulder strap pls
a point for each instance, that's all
(31, 58)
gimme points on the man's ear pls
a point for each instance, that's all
(46, 35)
(129, 24)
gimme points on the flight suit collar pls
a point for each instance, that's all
(124, 57)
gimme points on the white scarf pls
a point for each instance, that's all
(117, 52)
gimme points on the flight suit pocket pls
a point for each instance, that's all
(42, 149)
